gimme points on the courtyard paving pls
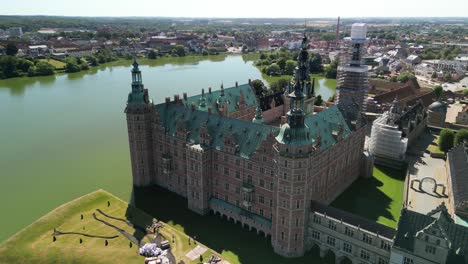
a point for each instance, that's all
(422, 165)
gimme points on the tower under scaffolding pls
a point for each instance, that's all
(353, 77)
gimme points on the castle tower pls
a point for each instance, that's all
(353, 78)
(221, 102)
(139, 111)
(293, 147)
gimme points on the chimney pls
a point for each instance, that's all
(203, 91)
(237, 84)
(209, 89)
(250, 81)
(193, 106)
(209, 110)
(176, 98)
(283, 120)
(168, 100)
(185, 96)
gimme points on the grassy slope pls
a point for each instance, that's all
(379, 199)
(34, 243)
(57, 64)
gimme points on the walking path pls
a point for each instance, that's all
(423, 166)
(196, 252)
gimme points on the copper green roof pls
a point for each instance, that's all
(136, 97)
(231, 96)
(247, 135)
(325, 125)
(229, 207)
(410, 223)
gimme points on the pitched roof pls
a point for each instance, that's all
(411, 222)
(353, 219)
(232, 96)
(247, 135)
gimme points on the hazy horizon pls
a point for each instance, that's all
(239, 9)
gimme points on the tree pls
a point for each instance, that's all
(331, 98)
(178, 50)
(273, 70)
(447, 77)
(263, 56)
(152, 55)
(258, 86)
(72, 65)
(434, 75)
(465, 92)
(318, 100)
(315, 64)
(438, 91)
(281, 63)
(11, 49)
(331, 69)
(461, 136)
(446, 138)
(8, 65)
(405, 77)
(42, 68)
(290, 67)
(92, 60)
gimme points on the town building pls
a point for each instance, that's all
(457, 171)
(436, 114)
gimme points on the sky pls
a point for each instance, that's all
(238, 8)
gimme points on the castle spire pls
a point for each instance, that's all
(137, 83)
(258, 115)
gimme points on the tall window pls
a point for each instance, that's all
(349, 231)
(316, 235)
(332, 225)
(382, 261)
(407, 260)
(365, 255)
(331, 241)
(367, 238)
(317, 219)
(347, 247)
(430, 249)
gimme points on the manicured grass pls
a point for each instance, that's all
(34, 244)
(56, 63)
(379, 198)
(234, 243)
(434, 147)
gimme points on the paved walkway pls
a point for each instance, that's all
(422, 165)
(196, 252)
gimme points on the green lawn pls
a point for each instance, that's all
(234, 243)
(56, 63)
(379, 198)
(434, 147)
(34, 244)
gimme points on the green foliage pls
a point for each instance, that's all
(405, 77)
(434, 75)
(279, 85)
(273, 70)
(318, 100)
(178, 50)
(393, 79)
(447, 77)
(11, 49)
(465, 92)
(93, 61)
(128, 56)
(446, 139)
(461, 136)
(332, 69)
(258, 86)
(332, 98)
(72, 65)
(315, 64)
(152, 55)
(290, 67)
(11, 66)
(438, 90)
(41, 68)
(282, 64)
(263, 56)
(104, 56)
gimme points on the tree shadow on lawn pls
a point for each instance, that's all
(219, 235)
(365, 199)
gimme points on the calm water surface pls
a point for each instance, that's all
(64, 136)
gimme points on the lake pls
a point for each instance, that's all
(64, 136)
